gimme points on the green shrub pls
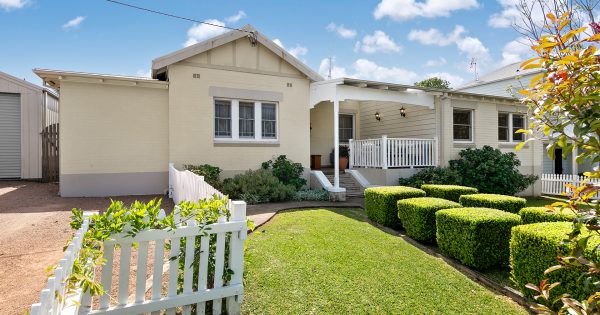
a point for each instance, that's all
(542, 214)
(312, 195)
(211, 173)
(491, 171)
(501, 202)
(381, 203)
(286, 171)
(534, 248)
(477, 237)
(436, 175)
(258, 187)
(417, 216)
(449, 192)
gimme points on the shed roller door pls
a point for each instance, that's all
(10, 135)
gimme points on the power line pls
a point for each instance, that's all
(179, 17)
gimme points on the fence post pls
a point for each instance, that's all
(350, 153)
(236, 255)
(384, 157)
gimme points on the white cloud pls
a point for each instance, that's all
(473, 48)
(200, 32)
(402, 10)
(516, 50)
(440, 61)
(433, 36)
(12, 4)
(336, 72)
(296, 51)
(341, 30)
(74, 23)
(510, 14)
(378, 42)
(236, 17)
(455, 80)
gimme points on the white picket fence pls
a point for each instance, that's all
(155, 291)
(555, 184)
(393, 152)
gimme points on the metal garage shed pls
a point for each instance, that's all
(28, 126)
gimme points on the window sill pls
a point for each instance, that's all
(245, 143)
(511, 145)
(464, 144)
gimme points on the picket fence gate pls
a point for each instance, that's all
(117, 300)
(555, 184)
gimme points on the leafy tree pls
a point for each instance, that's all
(434, 82)
(565, 104)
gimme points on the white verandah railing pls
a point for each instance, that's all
(555, 184)
(393, 152)
(155, 289)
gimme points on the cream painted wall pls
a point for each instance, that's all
(420, 122)
(237, 65)
(485, 132)
(113, 129)
(321, 120)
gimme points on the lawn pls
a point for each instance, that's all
(333, 261)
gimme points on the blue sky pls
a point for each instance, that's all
(388, 40)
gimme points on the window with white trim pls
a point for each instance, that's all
(346, 127)
(245, 120)
(462, 120)
(269, 121)
(508, 124)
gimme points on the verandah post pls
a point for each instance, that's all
(350, 153)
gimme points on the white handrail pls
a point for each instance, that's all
(393, 152)
(555, 184)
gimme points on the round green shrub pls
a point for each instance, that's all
(501, 202)
(380, 203)
(542, 214)
(534, 248)
(477, 237)
(417, 216)
(449, 192)
(258, 186)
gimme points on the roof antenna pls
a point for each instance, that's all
(330, 61)
(253, 38)
(473, 66)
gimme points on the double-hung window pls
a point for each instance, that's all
(508, 124)
(462, 120)
(245, 120)
(346, 127)
(222, 119)
(269, 120)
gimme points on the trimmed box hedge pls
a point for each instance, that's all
(501, 202)
(477, 237)
(541, 214)
(417, 216)
(449, 192)
(380, 203)
(534, 248)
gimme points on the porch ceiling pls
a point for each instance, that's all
(363, 90)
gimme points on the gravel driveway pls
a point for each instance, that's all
(34, 228)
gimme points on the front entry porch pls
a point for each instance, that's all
(385, 127)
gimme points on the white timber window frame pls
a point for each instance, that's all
(240, 134)
(470, 125)
(353, 128)
(510, 128)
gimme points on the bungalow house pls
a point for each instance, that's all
(239, 99)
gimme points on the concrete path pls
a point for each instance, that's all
(262, 213)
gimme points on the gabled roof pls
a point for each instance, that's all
(159, 64)
(20, 82)
(508, 72)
